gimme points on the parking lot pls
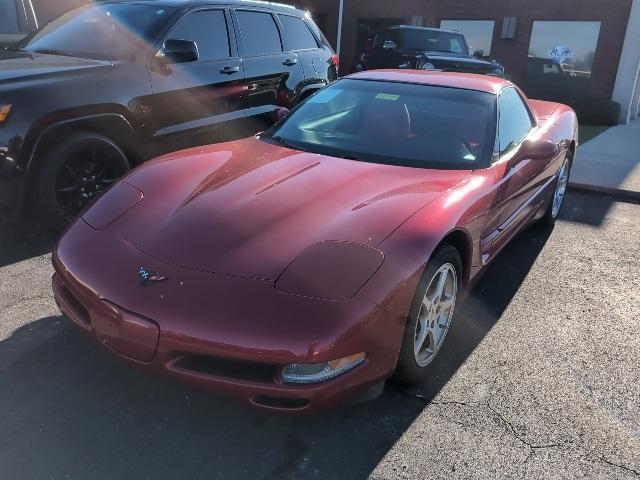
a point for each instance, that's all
(540, 378)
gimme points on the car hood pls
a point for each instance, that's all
(16, 66)
(248, 208)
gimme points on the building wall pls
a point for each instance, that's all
(613, 14)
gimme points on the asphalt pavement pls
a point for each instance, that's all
(539, 378)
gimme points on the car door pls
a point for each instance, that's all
(302, 42)
(197, 101)
(273, 76)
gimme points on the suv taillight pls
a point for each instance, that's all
(335, 60)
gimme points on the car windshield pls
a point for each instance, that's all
(394, 123)
(434, 41)
(106, 32)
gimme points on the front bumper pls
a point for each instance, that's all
(227, 334)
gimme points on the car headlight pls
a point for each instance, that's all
(5, 110)
(117, 201)
(319, 372)
(330, 270)
(428, 66)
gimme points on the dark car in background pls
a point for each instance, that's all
(109, 85)
(424, 49)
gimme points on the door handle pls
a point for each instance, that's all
(289, 62)
(230, 70)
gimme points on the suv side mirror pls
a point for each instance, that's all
(478, 53)
(180, 51)
(538, 150)
(389, 45)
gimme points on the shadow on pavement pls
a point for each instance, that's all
(23, 239)
(68, 408)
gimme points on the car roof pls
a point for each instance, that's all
(412, 27)
(467, 81)
(277, 7)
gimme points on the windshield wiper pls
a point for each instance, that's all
(46, 51)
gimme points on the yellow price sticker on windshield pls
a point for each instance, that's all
(387, 96)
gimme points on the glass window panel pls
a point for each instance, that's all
(260, 35)
(8, 17)
(514, 123)
(479, 33)
(560, 57)
(298, 34)
(209, 30)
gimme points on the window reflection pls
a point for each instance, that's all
(560, 57)
(479, 33)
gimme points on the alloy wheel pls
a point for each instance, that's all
(561, 189)
(436, 312)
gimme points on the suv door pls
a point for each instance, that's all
(199, 101)
(381, 57)
(301, 41)
(273, 76)
(17, 19)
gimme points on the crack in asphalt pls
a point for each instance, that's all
(24, 300)
(623, 467)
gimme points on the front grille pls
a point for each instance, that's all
(463, 68)
(228, 368)
(81, 312)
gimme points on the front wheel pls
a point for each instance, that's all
(74, 174)
(430, 315)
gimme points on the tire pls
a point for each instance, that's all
(74, 174)
(560, 187)
(413, 363)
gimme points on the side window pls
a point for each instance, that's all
(385, 35)
(297, 33)
(8, 17)
(208, 28)
(515, 122)
(260, 34)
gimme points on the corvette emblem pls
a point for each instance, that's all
(147, 276)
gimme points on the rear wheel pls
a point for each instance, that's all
(76, 173)
(553, 211)
(430, 315)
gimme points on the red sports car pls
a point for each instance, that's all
(302, 267)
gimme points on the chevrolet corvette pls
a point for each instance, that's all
(300, 268)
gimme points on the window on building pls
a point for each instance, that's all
(478, 33)
(560, 57)
(515, 121)
(297, 33)
(209, 30)
(260, 34)
(8, 17)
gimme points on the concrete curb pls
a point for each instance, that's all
(618, 193)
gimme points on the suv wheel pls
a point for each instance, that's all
(74, 174)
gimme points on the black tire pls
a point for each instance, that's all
(408, 370)
(550, 216)
(74, 174)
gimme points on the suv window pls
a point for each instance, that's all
(299, 36)
(385, 35)
(515, 122)
(260, 34)
(208, 28)
(8, 17)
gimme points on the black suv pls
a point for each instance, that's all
(424, 49)
(110, 85)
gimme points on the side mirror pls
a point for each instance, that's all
(538, 150)
(180, 51)
(279, 114)
(478, 53)
(389, 45)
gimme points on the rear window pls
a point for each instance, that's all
(394, 123)
(260, 34)
(8, 17)
(297, 33)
